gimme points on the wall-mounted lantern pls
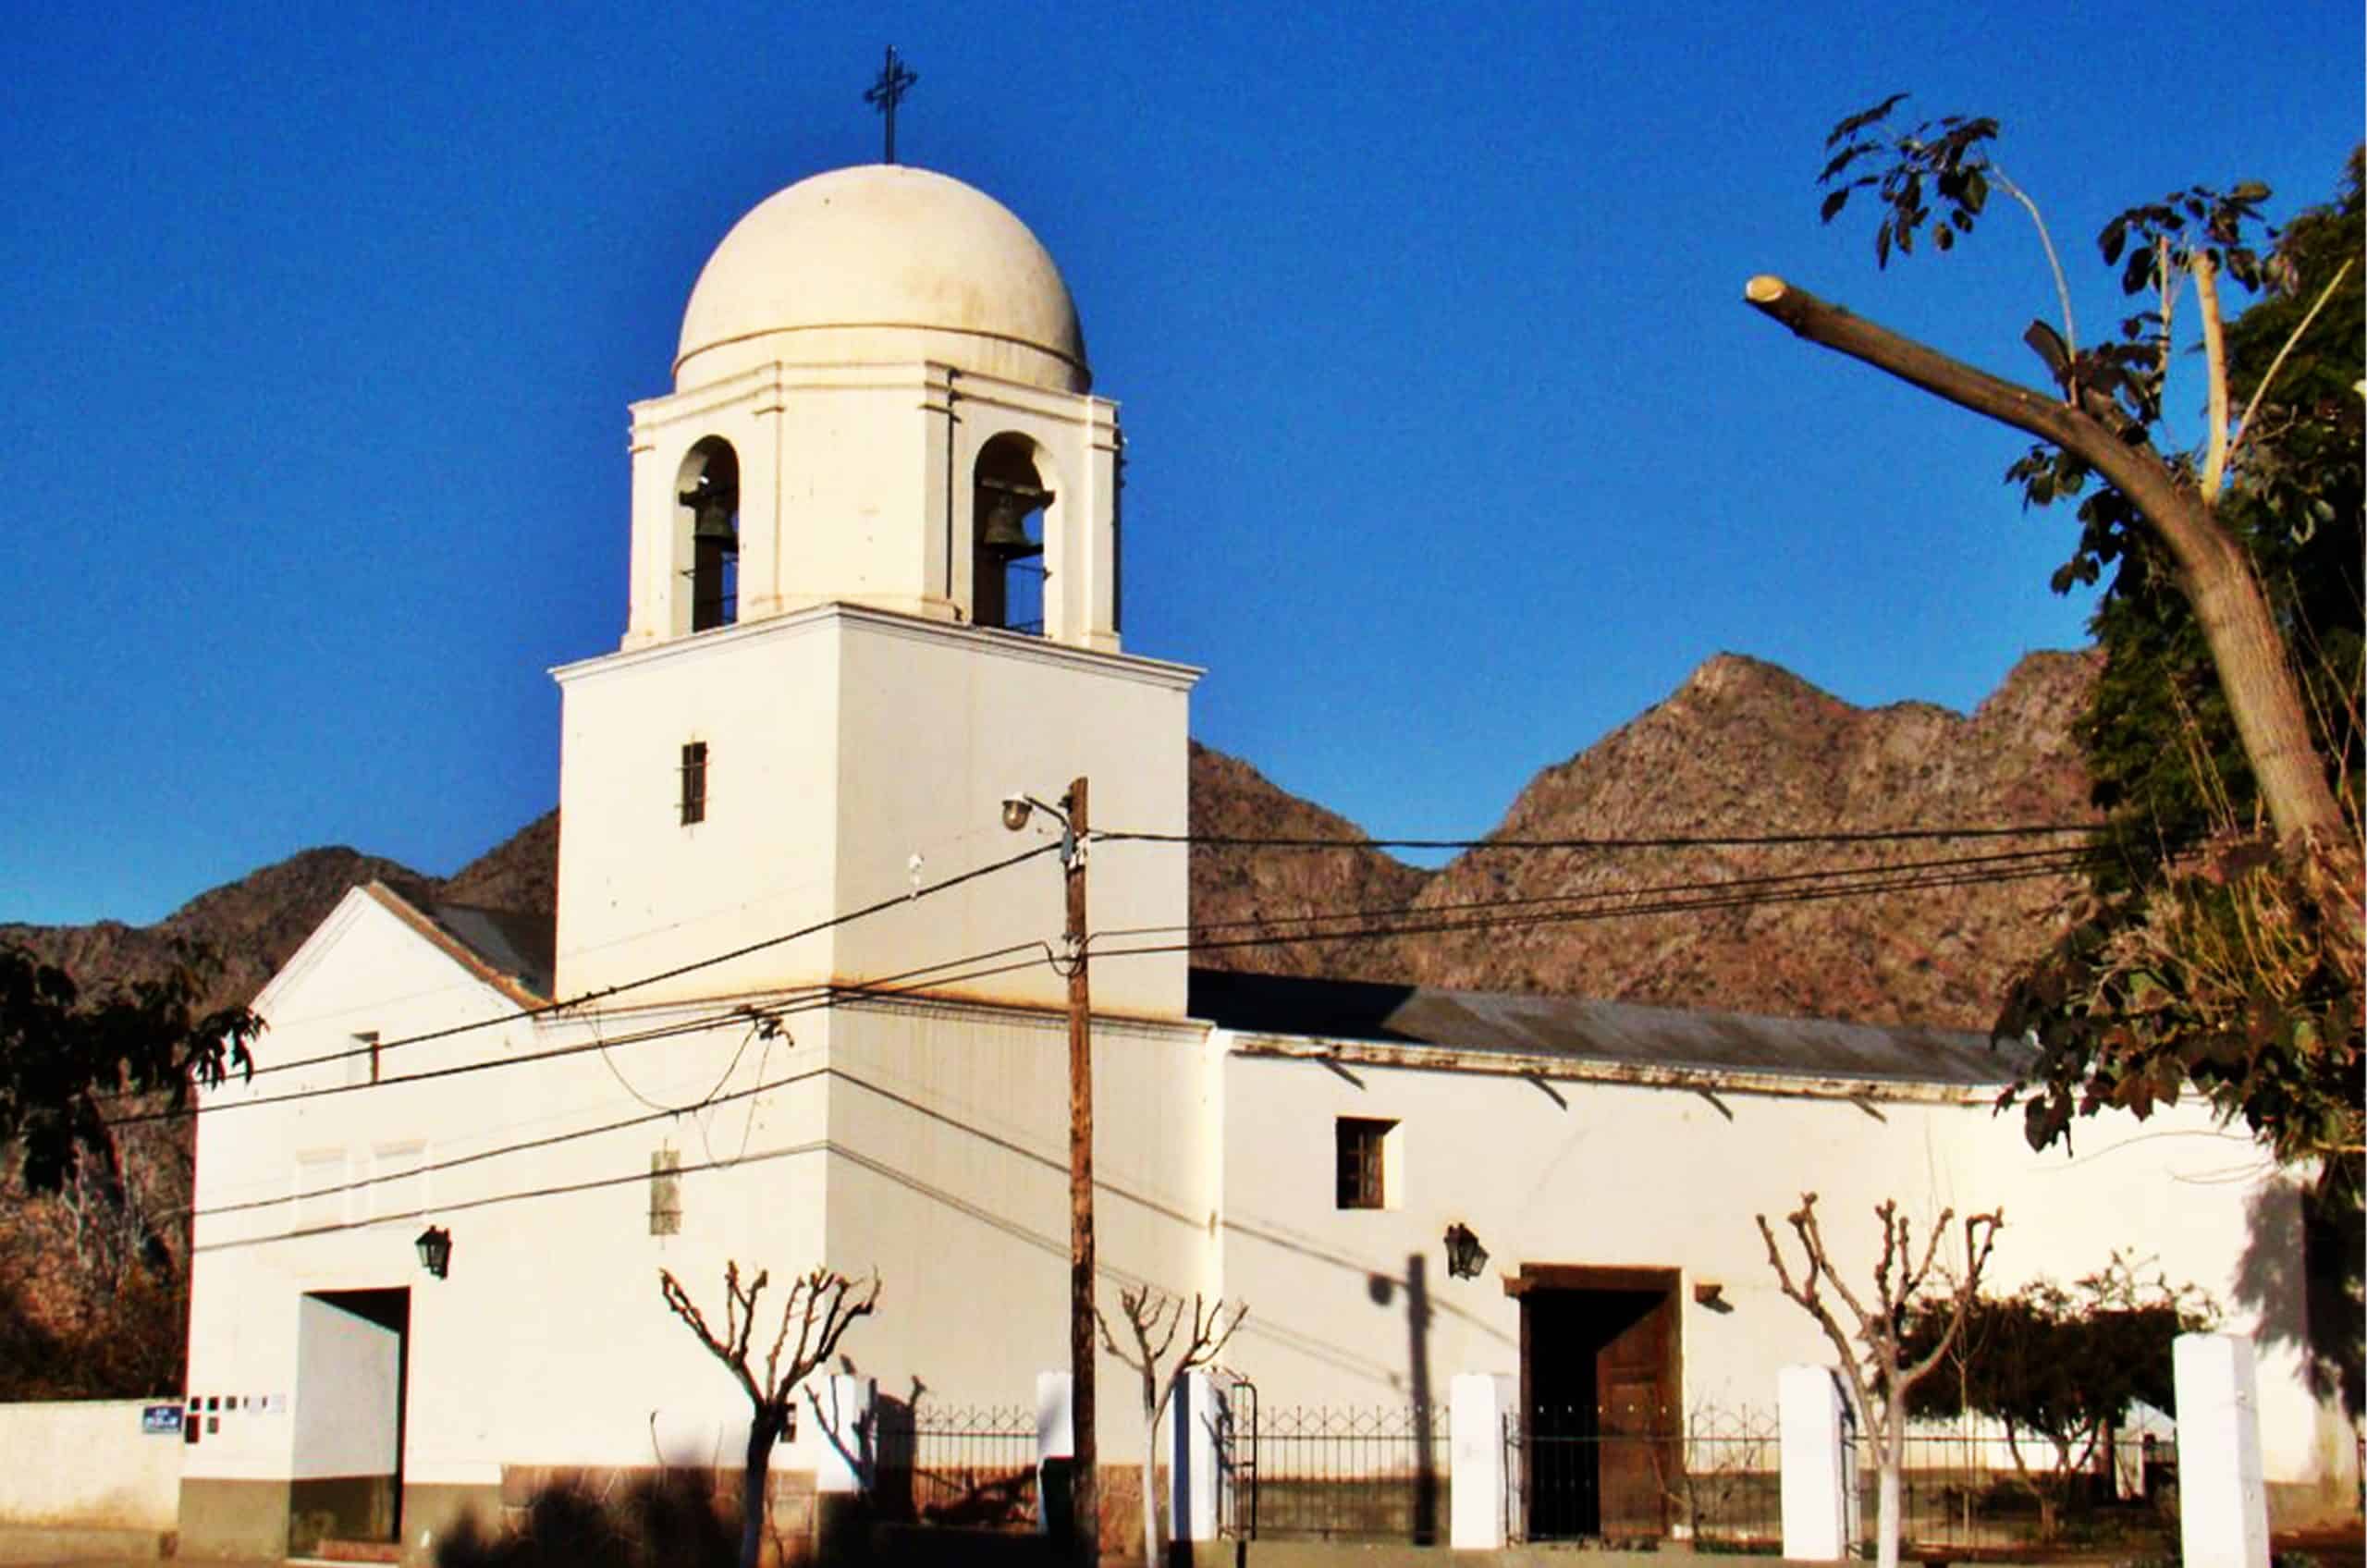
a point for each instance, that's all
(1464, 1255)
(435, 1250)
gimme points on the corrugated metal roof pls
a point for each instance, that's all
(521, 946)
(516, 953)
(1618, 1034)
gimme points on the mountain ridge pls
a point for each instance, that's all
(1739, 741)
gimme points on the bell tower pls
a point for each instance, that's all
(874, 588)
(910, 428)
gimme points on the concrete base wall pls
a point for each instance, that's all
(31, 1544)
(222, 1518)
(1356, 1554)
(85, 1465)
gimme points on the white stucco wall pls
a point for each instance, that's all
(86, 1463)
(841, 743)
(949, 1172)
(1606, 1174)
(548, 1342)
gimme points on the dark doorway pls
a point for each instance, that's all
(1600, 1380)
(353, 1369)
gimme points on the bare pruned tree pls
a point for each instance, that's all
(1158, 1319)
(1873, 1344)
(821, 1307)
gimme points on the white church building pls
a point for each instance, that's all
(875, 589)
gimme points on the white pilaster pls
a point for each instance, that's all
(1817, 1478)
(1192, 1477)
(2222, 1504)
(1481, 1486)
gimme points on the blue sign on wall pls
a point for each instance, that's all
(160, 1420)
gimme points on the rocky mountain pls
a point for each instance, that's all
(1744, 749)
(1741, 748)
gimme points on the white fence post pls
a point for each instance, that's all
(1477, 1491)
(2222, 1504)
(1818, 1479)
(1192, 1419)
(1055, 1450)
(847, 1447)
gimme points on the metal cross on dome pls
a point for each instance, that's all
(886, 93)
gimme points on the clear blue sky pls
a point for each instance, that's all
(1451, 444)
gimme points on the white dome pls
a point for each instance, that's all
(883, 262)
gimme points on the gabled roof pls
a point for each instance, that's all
(514, 953)
(1504, 1031)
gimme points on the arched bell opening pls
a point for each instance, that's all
(707, 531)
(1008, 500)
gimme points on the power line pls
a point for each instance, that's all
(1669, 841)
(1836, 882)
(604, 992)
(463, 1204)
(713, 1097)
(929, 974)
(2068, 858)
(481, 1156)
(1874, 883)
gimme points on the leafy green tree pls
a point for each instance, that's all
(2199, 960)
(104, 1198)
(68, 1062)
(2063, 1368)
(2210, 956)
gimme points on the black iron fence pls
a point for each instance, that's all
(1717, 1479)
(970, 1465)
(1976, 1492)
(1330, 1473)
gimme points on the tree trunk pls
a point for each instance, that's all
(764, 1430)
(1150, 1500)
(1892, 1452)
(2214, 570)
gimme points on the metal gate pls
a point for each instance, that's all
(1236, 1418)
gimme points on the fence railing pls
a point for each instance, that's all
(971, 1465)
(1716, 1479)
(1320, 1472)
(1966, 1492)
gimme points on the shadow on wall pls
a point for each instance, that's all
(668, 1521)
(2303, 1273)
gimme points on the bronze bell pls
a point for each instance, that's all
(1004, 528)
(712, 506)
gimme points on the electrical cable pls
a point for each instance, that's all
(1669, 841)
(602, 993)
(1847, 881)
(1670, 906)
(823, 997)
(2001, 857)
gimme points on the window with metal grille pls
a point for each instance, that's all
(1363, 1143)
(694, 782)
(666, 1192)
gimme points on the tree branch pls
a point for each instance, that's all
(2253, 407)
(2053, 262)
(2214, 569)
(2214, 357)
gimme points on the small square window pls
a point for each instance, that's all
(694, 782)
(1363, 1146)
(666, 1192)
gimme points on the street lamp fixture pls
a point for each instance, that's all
(435, 1245)
(1464, 1255)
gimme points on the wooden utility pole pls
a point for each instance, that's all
(1085, 1492)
